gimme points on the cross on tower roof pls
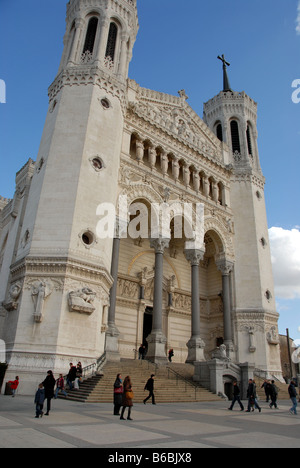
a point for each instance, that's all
(226, 84)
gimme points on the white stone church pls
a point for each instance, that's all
(69, 295)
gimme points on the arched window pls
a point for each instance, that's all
(219, 132)
(235, 137)
(249, 141)
(112, 41)
(90, 36)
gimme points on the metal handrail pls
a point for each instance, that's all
(184, 379)
(93, 368)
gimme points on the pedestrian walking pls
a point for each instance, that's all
(127, 398)
(273, 395)
(49, 384)
(150, 387)
(79, 370)
(293, 396)
(14, 385)
(118, 395)
(39, 401)
(268, 390)
(60, 386)
(142, 352)
(71, 376)
(252, 397)
(171, 354)
(236, 397)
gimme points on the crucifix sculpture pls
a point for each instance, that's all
(226, 84)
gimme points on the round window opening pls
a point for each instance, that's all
(263, 242)
(87, 238)
(97, 164)
(105, 103)
(268, 295)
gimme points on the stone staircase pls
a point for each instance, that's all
(173, 383)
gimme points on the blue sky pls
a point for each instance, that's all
(177, 48)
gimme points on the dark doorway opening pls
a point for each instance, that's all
(229, 390)
(147, 328)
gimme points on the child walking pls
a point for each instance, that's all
(39, 401)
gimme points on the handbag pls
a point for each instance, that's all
(119, 390)
(130, 395)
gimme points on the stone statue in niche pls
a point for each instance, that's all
(41, 290)
(82, 301)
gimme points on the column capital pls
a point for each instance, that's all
(224, 265)
(194, 256)
(159, 244)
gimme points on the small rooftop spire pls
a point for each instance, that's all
(226, 84)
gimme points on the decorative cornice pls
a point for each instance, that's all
(56, 267)
(89, 75)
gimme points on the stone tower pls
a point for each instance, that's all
(232, 116)
(61, 267)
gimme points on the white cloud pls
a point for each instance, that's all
(285, 249)
(298, 20)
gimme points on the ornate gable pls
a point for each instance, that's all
(174, 115)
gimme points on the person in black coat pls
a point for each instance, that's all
(252, 396)
(150, 387)
(118, 395)
(71, 376)
(236, 397)
(49, 384)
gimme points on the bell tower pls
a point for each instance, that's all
(100, 34)
(232, 116)
(61, 264)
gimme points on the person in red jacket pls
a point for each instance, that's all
(14, 385)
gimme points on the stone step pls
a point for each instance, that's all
(168, 386)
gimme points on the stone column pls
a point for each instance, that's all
(112, 333)
(157, 340)
(123, 57)
(225, 267)
(196, 345)
(74, 48)
(104, 25)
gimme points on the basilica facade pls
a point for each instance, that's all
(69, 293)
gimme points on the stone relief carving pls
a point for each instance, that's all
(272, 336)
(179, 121)
(82, 301)
(128, 289)
(182, 301)
(13, 296)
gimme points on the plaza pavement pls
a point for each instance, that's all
(164, 426)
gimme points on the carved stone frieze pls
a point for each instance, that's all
(128, 289)
(182, 301)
